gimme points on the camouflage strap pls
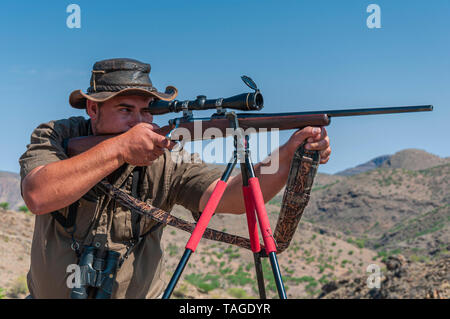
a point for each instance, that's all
(296, 195)
(166, 218)
(303, 169)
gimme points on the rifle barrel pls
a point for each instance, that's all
(349, 112)
(380, 110)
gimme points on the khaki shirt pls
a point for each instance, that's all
(174, 178)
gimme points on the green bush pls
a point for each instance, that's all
(240, 278)
(24, 209)
(224, 271)
(4, 205)
(212, 262)
(324, 280)
(297, 280)
(173, 249)
(19, 287)
(345, 261)
(238, 293)
(205, 283)
(358, 242)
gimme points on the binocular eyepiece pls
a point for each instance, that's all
(244, 102)
(96, 272)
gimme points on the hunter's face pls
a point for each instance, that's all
(119, 114)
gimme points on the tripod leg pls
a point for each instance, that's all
(254, 238)
(177, 274)
(269, 241)
(202, 223)
(277, 275)
(259, 276)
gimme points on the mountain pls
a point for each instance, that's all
(367, 166)
(10, 189)
(412, 159)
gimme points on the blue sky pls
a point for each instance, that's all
(304, 55)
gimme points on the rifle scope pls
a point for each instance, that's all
(244, 102)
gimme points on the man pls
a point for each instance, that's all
(72, 214)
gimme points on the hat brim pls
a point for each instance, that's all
(78, 98)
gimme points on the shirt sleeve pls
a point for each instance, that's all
(47, 144)
(190, 179)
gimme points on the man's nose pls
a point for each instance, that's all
(137, 118)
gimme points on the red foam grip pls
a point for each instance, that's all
(264, 224)
(206, 215)
(251, 219)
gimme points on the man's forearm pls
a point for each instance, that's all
(52, 187)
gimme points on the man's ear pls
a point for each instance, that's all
(92, 109)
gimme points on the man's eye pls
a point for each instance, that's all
(125, 110)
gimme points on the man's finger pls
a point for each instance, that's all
(162, 142)
(306, 132)
(318, 137)
(325, 153)
(318, 146)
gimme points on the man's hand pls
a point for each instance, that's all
(140, 145)
(316, 138)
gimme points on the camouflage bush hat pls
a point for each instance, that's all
(121, 76)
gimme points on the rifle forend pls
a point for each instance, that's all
(197, 127)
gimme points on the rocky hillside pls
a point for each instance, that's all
(351, 222)
(400, 279)
(217, 270)
(395, 215)
(10, 189)
(388, 209)
(16, 233)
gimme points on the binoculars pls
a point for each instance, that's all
(96, 273)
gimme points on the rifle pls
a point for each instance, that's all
(296, 196)
(223, 120)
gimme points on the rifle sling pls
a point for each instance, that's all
(296, 195)
(69, 221)
(135, 217)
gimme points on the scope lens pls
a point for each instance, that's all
(259, 101)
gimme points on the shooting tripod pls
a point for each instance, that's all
(254, 201)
